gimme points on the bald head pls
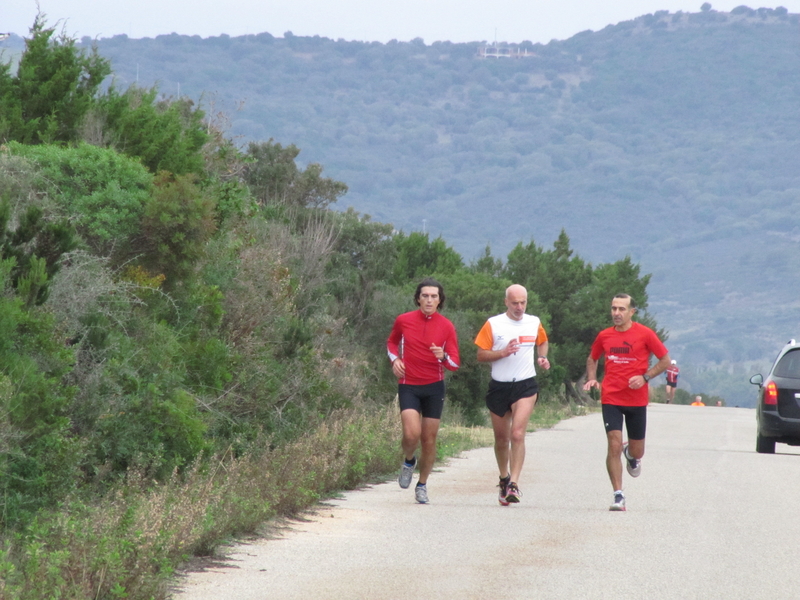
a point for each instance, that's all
(516, 301)
(516, 289)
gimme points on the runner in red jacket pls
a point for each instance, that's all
(421, 346)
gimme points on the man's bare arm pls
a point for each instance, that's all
(493, 355)
(591, 374)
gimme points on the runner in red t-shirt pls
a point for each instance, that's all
(627, 347)
(672, 381)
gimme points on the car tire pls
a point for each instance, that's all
(765, 445)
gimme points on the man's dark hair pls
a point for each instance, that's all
(429, 282)
(629, 297)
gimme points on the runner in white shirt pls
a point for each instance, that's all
(507, 341)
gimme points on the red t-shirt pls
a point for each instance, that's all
(627, 354)
(411, 338)
(672, 374)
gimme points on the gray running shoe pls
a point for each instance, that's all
(421, 494)
(619, 502)
(634, 465)
(406, 474)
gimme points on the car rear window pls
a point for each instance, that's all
(789, 365)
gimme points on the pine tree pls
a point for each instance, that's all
(52, 90)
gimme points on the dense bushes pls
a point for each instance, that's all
(39, 457)
(166, 135)
(102, 192)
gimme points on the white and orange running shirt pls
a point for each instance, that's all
(496, 334)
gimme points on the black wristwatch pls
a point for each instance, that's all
(646, 378)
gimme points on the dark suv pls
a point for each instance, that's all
(778, 410)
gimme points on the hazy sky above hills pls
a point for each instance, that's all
(366, 20)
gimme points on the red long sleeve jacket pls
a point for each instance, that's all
(412, 336)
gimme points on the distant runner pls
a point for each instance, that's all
(421, 346)
(672, 381)
(507, 341)
(627, 347)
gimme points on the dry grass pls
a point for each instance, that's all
(129, 545)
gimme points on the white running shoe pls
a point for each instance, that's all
(421, 493)
(406, 474)
(634, 465)
(619, 502)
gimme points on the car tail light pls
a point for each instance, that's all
(771, 393)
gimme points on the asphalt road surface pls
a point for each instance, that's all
(707, 519)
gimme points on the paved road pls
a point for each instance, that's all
(708, 519)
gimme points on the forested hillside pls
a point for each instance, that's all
(672, 138)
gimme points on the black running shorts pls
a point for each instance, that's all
(428, 399)
(502, 394)
(635, 419)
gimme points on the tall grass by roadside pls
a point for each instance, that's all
(129, 545)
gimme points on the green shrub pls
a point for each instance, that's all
(233, 200)
(166, 135)
(101, 191)
(208, 365)
(178, 220)
(34, 242)
(38, 455)
(154, 430)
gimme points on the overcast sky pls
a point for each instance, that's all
(366, 20)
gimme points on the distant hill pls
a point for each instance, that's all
(672, 138)
(11, 47)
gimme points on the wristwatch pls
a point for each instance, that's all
(646, 378)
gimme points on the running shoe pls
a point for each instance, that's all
(513, 494)
(619, 502)
(421, 493)
(634, 465)
(406, 474)
(503, 485)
